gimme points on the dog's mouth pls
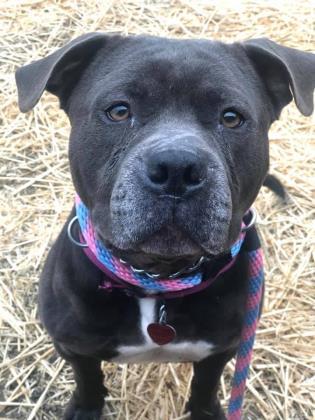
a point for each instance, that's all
(167, 239)
(168, 251)
(163, 254)
(166, 244)
(170, 242)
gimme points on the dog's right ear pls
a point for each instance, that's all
(58, 72)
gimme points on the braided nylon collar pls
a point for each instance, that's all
(111, 265)
(120, 275)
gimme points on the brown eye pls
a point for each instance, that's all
(231, 119)
(118, 112)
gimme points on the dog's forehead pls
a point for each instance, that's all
(150, 63)
(169, 70)
(142, 63)
(156, 73)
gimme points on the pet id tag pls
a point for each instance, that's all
(161, 332)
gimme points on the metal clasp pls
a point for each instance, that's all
(252, 221)
(69, 232)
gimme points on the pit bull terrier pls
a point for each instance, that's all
(168, 151)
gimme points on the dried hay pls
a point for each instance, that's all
(37, 195)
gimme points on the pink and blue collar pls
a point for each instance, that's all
(119, 274)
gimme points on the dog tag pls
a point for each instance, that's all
(161, 333)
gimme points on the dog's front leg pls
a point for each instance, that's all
(203, 403)
(87, 400)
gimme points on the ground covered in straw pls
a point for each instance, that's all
(37, 194)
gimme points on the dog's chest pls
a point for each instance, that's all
(148, 351)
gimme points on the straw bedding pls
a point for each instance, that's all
(36, 196)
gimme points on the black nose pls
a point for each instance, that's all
(175, 172)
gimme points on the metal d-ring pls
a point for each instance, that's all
(69, 232)
(252, 221)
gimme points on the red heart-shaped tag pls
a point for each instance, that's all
(161, 333)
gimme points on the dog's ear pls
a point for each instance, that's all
(58, 72)
(284, 70)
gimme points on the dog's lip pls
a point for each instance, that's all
(146, 245)
(195, 248)
(193, 251)
(146, 258)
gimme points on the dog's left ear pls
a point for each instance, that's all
(284, 70)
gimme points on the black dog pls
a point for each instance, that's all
(168, 150)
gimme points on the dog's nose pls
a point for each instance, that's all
(175, 172)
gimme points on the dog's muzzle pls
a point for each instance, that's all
(171, 197)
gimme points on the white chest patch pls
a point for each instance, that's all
(184, 351)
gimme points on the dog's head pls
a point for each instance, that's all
(169, 139)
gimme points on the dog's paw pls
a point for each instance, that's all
(207, 415)
(81, 414)
(73, 412)
(198, 413)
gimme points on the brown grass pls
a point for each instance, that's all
(37, 195)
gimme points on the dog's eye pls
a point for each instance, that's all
(231, 118)
(118, 112)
